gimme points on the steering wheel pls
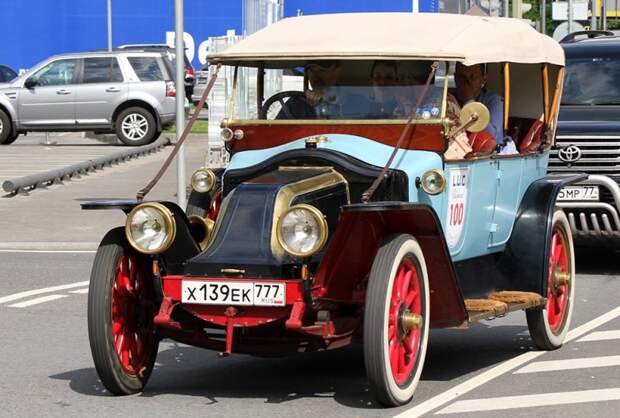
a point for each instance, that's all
(279, 97)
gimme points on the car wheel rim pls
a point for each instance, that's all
(135, 126)
(558, 287)
(1, 126)
(404, 321)
(131, 315)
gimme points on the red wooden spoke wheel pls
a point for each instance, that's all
(559, 281)
(121, 307)
(549, 325)
(131, 331)
(404, 320)
(396, 320)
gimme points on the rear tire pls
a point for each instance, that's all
(398, 288)
(136, 126)
(6, 130)
(121, 307)
(549, 325)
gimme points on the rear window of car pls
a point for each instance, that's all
(146, 68)
(101, 70)
(592, 81)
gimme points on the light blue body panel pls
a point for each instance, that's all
(477, 211)
(494, 190)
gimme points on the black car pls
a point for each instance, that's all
(588, 136)
(6, 74)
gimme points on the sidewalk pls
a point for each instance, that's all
(51, 218)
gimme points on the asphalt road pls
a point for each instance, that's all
(47, 368)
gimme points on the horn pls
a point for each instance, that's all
(201, 229)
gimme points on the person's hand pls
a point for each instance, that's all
(313, 97)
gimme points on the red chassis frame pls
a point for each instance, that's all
(258, 327)
(338, 287)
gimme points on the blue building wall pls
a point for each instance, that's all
(32, 30)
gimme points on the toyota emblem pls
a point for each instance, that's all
(569, 154)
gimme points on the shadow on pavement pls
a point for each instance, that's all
(338, 374)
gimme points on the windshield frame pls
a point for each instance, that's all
(230, 118)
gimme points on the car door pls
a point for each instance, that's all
(50, 102)
(101, 90)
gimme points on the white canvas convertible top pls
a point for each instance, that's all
(469, 39)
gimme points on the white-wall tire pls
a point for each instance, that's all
(548, 325)
(395, 385)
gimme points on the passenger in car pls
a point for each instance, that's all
(470, 86)
(383, 78)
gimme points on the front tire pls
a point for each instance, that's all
(121, 308)
(549, 325)
(6, 136)
(136, 126)
(396, 320)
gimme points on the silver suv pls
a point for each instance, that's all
(130, 93)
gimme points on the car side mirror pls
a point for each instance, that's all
(31, 83)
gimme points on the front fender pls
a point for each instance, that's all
(362, 229)
(184, 245)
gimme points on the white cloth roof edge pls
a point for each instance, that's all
(465, 39)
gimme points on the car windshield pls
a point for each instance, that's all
(346, 90)
(592, 81)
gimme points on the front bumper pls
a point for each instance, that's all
(592, 221)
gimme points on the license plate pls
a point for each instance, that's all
(578, 193)
(233, 293)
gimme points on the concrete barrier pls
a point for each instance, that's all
(44, 178)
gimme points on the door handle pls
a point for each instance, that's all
(113, 90)
(63, 91)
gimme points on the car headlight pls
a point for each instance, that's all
(302, 230)
(150, 228)
(433, 182)
(203, 180)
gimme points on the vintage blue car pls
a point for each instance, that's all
(377, 197)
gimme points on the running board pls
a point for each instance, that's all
(500, 303)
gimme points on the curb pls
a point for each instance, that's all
(24, 184)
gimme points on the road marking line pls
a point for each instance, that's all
(28, 293)
(601, 336)
(576, 363)
(50, 251)
(528, 401)
(36, 301)
(485, 377)
(80, 291)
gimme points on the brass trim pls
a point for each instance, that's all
(232, 271)
(243, 122)
(220, 217)
(411, 321)
(323, 230)
(210, 174)
(545, 80)
(286, 194)
(506, 94)
(168, 219)
(207, 224)
(429, 173)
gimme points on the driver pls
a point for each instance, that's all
(321, 76)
